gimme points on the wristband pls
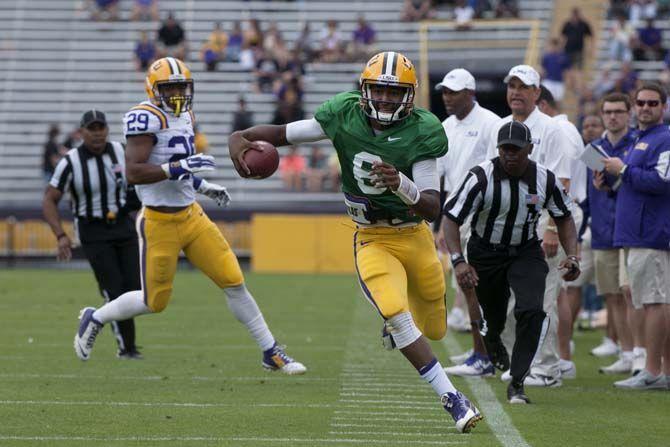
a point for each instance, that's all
(458, 260)
(574, 258)
(60, 235)
(166, 168)
(407, 190)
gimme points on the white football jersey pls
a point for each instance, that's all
(174, 141)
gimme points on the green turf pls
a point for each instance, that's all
(201, 382)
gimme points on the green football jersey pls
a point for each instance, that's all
(418, 137)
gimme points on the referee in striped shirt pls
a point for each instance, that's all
(94, 176)
(506, 195)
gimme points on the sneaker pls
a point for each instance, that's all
(130, 354)
(275, 359)
(542, 380)
(621, 366)
(460, 358)
(639, 362)
(458, 320)
(606, 348)
(568, 369)
(644, 381)
(516, 394)
(89, 328)
(464, 413)
(387, 339)
(476, 365)
(506, 376)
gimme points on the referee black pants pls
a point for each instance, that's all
(117, 269)
(523, 270)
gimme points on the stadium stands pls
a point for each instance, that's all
(58, 63)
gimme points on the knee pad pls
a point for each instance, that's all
(403, 330)
(158, 301)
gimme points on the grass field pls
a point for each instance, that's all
(201, 383)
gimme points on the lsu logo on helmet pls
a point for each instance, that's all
(169, 85)
(389, 69)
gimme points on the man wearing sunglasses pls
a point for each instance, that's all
(642, 227)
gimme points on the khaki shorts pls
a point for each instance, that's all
(623, 273)
(649, 274)
(608, 271)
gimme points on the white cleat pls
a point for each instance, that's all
(568, 369)
(460, 358)
(89, 328)
(606, 348)
(276, 359)
(476, 365)
(506, 376)
(644, 381)
(621, 366)
(542, 380)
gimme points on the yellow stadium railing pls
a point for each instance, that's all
(531, 44)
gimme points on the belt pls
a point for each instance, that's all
(511, 250)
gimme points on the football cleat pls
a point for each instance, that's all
(89, 328)
(461, 409)
(460, 358)
(568, 369)
(131, 354)
(621, 366)
(542, 380)
(477, 365)
(516, 394)
(276, 359)
(644, 381)
(606, 348)
(506, 376)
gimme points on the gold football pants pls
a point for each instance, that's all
(399, 271)
(164, 235)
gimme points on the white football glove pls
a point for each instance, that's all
(217, 193)
(180, 169)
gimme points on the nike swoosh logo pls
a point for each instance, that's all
(390, 140)
(365, 243)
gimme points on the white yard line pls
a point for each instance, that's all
(494, 413)
(311, 441)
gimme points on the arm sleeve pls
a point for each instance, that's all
(62, 175)
(558, 201)
(304, 131)
(425, 175)
(461, 203)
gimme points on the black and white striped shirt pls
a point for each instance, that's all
(96, 183)
(506, 209)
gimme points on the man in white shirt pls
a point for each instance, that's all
(550, 148)
(570, 297)
(468, 130)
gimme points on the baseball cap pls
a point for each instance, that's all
(515, 133)
(526, 73)
(92, 116)
(457, 80)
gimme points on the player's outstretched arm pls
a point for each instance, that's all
(241, 141)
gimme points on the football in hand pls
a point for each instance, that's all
(262, 161)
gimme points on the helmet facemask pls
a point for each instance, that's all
(177, 103)
(373, 107)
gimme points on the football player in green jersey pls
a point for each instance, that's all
(387, 150)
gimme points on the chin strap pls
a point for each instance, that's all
(407, 191)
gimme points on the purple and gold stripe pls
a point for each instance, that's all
(364, 288)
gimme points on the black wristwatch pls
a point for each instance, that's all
(456, 258)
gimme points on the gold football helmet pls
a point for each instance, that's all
(389, 69)
(169, 85)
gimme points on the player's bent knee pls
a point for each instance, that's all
(403, 330)
(159, 300)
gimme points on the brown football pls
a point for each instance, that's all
(264, 162)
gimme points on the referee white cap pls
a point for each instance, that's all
(457, 80)
(527, 74)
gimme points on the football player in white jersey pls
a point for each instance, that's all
(161, 160)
